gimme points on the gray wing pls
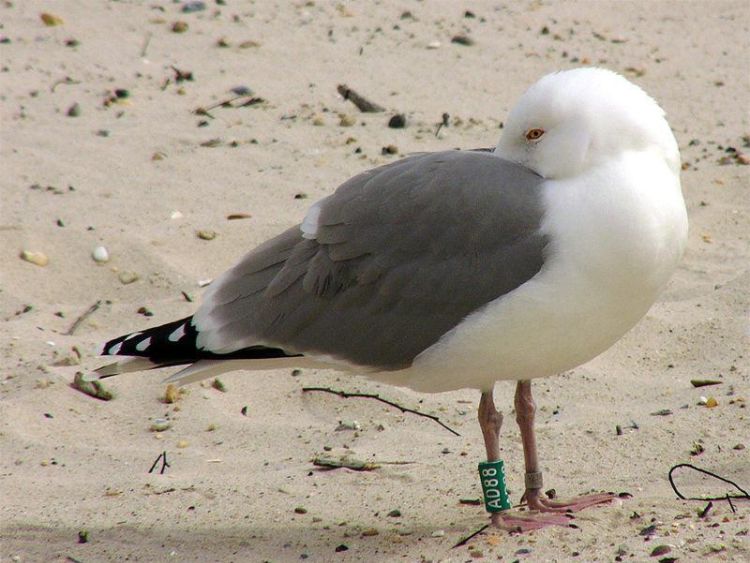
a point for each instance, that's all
(397, 257)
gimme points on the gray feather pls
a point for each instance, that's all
(401, 255)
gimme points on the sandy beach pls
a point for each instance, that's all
(178, 139)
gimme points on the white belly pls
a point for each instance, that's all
(615, 241)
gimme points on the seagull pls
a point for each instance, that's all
(457, 269)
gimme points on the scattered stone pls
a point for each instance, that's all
(662, 412)
(243, 410)
(212, 427)
(179, 27)
(100, 255)
(121, 93)
(50, 20)
(242, 91)
(340, 548)
(395, 513)
(218, 385)
(739, 446)
(74, 110)
(145, 311)
(369, 532)
(37, 258)
(434, 45)
(83, 536)
(660, 550)
(438, 533)
(346, 425)
(249, 44)
(236, 216)
(172, 394)
(206, 234)
(398, 121)
(300, 196)
(462, 40)
(160, 425)
(390, 149)
(190, 7)
(697, 449)
(347, 120)
(127, 277)
(711, 402)
(182, 444)
(300, 510)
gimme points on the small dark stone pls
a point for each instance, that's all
(300, 510)
(83, 536)
(244, 410)
(462, 40)
(469, 14)
(145, 312)
(102, 133)
(340, 548)
(72, 43)
(122, 93)
(398, 121)
(648, 531)
(48, 415)
(395, 513)
(242, 91)
(300, 196)
(74, 110)
(544, 31)
(390, 149)
(191, 7)
(660, 550)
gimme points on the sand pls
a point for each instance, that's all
(142, 173)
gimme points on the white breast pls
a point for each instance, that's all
(617, 234)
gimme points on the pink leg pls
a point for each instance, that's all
(525, 410)
(490, 421)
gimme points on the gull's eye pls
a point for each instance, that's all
(534, 134)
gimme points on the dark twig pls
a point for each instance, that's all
(346, 395)
(164, 464)
(443, 123)
(363, 104)
(87, 313)
(468, 538)
(745, 495)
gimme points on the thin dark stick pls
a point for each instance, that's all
(346, 395)
(744, 495)
(164, 465)
(83, 317)
(731, 504)
(363, 104)
(470, 537)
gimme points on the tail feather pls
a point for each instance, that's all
(174, 344)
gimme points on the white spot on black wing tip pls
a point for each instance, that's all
(131, 336)
(178, 334)
(143, 344)
(114, 350)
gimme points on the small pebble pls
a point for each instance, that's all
(182, 444)
(711, 403)
(242, 91)
(37, 258)
(74, 110)
(206, 234)
(395, 513)
(171, 394)
(100, 255)
(433, 45)
(398, 121)
(369, 532)
(83, 536)
(438, 533)
(349, 425)
(50, 20)
(145, 311)
(160, 425)
(179, 27)
(462, 40)
(347, 120)
(300, 510)
(126, 277)
(218, 385)
(191, 7)
(390, 149)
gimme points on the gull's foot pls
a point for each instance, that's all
(536, 502)
(517, 523)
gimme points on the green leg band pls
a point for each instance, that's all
(492, 475)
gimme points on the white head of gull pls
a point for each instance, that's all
(458, 269)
